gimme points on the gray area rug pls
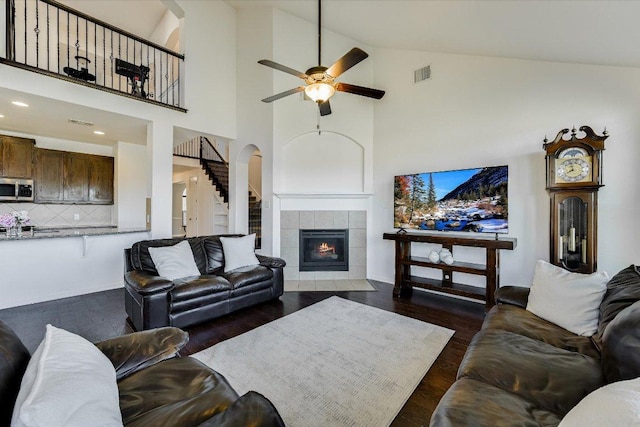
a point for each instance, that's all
(335, 363)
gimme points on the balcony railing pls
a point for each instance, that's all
(50, 38)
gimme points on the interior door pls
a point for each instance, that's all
(192, 207)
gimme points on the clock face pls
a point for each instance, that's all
(573, 169)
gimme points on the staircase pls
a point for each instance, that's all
(218, 173)
(217, 169)
(255, 218)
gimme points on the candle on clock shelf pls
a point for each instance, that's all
(572, 239)
(560, 247)
(584, 251)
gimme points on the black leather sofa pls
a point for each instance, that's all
(156, 387)
(521, 370)
(152, 301)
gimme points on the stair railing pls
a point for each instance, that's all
(50, 38)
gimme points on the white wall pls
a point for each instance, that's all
(281, 128)
(255, 120)
(480, 111)
(130, 184)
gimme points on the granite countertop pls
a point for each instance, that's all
(62, 232)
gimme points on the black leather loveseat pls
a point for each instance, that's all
(155, 387)
(153, 301)
(521, 370)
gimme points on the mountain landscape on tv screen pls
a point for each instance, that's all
(461, 200)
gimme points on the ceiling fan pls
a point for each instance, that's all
(320, 81)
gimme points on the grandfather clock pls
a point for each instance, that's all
(574, 176)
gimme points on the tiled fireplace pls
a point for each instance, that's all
(353, 225)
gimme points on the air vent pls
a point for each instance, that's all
(423, 73)
(80, 122)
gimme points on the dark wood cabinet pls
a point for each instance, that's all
(405, 281)
(16, 157)
(76, 177)
(66, 177)
(101, 179)
(48, 175)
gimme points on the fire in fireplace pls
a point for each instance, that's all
(324, 250)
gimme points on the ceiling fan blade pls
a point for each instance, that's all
(325, 108)
(351, 58)
(281, 67)
(359, 90)
(283, 94)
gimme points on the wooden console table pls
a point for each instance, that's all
(405, 282)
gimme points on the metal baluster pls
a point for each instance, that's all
(161, 92)
(104, 56)
(48, 41)
(68, 41)
(58, 37)
(25, 33)
(120, 56)
(77, 40)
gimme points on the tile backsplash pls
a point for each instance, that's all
(51, 215)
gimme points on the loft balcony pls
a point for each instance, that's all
(53, 39)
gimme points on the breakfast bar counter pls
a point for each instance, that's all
(63, 262)
(64, 232)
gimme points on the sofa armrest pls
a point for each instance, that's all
(251, 409)
(271, 262)
(146, 283)
(132, 352)
(514, 295)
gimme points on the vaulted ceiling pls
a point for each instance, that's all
(588, 32)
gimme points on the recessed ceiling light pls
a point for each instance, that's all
(98, 132)
(1, 116)
(20, 103)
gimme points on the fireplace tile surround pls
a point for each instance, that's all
(354, 220)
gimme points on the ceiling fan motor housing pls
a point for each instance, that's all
(318, 75)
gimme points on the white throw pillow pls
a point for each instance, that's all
(174, 262)
(616, 404)
(570, 300)
(239, 252)
(68, 382)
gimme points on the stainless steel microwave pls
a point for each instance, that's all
(15, 189)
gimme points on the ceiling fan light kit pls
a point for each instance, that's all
(320, 81)
(319, 92)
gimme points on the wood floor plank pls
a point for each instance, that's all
(101, 315)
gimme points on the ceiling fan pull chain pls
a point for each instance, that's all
(318, 123)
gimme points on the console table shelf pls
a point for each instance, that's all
(405, 282)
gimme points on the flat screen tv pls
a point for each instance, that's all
(474, 200)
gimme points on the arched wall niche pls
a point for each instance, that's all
(328, 162)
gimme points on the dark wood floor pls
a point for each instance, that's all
(101, 315)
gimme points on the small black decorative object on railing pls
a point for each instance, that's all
(52, 39)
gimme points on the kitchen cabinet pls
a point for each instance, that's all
(16, 157)
(101, 179)
(48, 175)
(76, 178)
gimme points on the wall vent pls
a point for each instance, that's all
(80, 122)
(423, 73)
